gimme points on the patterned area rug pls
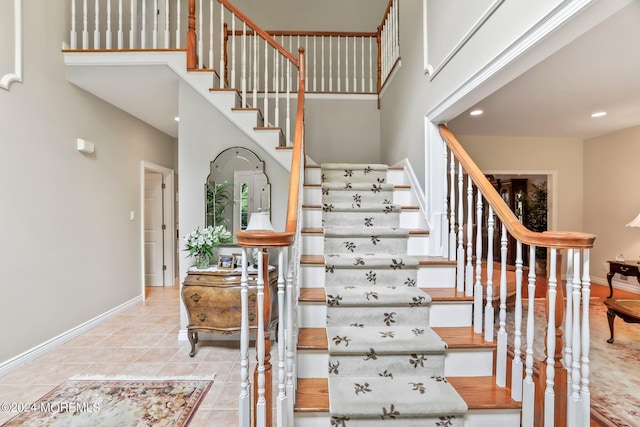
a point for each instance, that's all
(115, 402)
(614, 368)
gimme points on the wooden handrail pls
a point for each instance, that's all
(271, 239)
(310, 33)
(260, 32)
(549, 239)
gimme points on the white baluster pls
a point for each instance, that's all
(568, 326)
(346, 63)
(516, 366)
(266, 83)
(276, 61)
(244, 400)
(261, 405)
(211, 59)
(371, 64)
(322, 76)
(501, 361)
(143, 27)
(460, 256)
(244, 65)
(315, 61)
(120, 33)
(223, 77)
(330, 64)
(233, 50)
(362, 63)
(289, 340)
(85, 24)
(488, 310)
(108, 32)
(281, 406)
(154, 35)
(339, 70)
(178, 25)
(132, 27)
(574, 417)
(451, 201)
(549, 394)
(468, 279)
(528, 386)
(477, 291)
(585, 393)
(288, 119)
(96, 29)
(307, 79)
(255, 70)
(73, 35)
(167, 14)
(355, 63)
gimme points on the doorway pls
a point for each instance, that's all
(157, 226)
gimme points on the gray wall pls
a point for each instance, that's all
(69, 251)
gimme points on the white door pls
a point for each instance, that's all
(153, 233)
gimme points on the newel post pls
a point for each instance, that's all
(192, 57)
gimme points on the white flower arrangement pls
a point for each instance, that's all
(202, 241)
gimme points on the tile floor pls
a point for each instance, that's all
(141, 341)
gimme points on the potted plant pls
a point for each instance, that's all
(536, 220)
(218, 198)
(200, 243)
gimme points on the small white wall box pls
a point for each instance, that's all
(84, 146)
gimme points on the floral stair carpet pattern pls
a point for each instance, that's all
(386, 366)
(116, 402)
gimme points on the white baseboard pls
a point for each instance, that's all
(57, 341)
(633, 286)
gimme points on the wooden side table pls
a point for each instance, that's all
(212, 300)
(625, 268)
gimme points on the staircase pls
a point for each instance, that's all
(447, 368)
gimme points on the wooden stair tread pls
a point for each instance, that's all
(312, 230)
(312, 259)
(434, 260)
(447, 294)
(312, 339)
(312, 295)
(483, 393)
(223, 89)
(463, 337)
(312, 395)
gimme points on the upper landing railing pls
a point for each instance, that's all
(215, 37)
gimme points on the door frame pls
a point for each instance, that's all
(168, 213)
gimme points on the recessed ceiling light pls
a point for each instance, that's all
(599, 114)
(176, 118)
(476, 112)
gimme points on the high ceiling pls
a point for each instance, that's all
(599, 71)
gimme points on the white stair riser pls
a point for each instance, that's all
(312, 195)
(248, 119)
(313, 244)
(312, 419)
(451, 314)
(397, 176)
(468, 363)
(313, 364)
(489, 417)
(313, 315)
(311, 218)
(226, 99)
(457, 363)
(429, 276)
(312, 175)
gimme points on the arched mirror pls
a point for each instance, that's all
(236, 187)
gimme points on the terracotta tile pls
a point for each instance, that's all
(157, 355)
(142, 369)
(208, 418)
(178, 369)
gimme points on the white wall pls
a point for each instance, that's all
(204, 132)
(611, 200)
(68, 250)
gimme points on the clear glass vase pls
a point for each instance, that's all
(202, 261)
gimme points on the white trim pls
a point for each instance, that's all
(557, 17)
(390, 77)
(64, 337)
(465, 38)
(169, 251)
(16, 76)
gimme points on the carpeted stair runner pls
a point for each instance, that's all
(386, 366)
